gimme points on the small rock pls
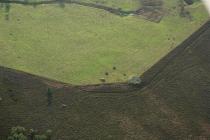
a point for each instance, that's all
(135, 81)
(64, 105)
(103, 80)
(131, 14)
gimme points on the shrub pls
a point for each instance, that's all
(17, 133)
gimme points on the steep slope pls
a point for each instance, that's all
(174, 104)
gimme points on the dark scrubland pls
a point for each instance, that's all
(173, 104)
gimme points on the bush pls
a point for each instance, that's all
(17, 137)
(17, 133)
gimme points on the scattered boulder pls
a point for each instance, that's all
(135, 81)
(103, 80)
(64, 105)
(132, 14)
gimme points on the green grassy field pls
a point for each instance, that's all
(78, 44)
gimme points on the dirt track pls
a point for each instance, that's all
(175, 103)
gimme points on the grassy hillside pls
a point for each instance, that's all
(173, 105)
(78, 44)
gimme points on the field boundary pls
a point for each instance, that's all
(122, 87)
(115, 11)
